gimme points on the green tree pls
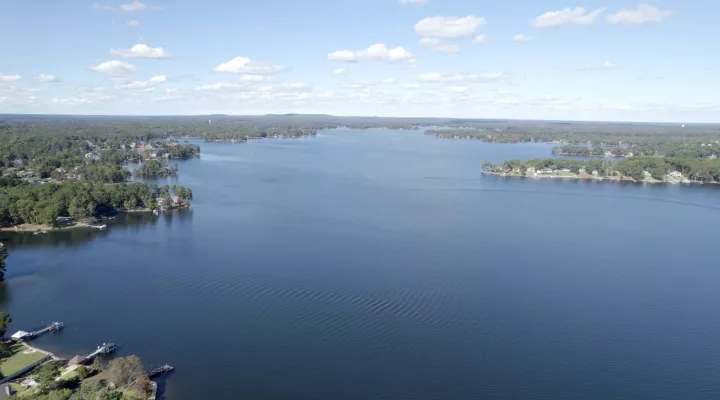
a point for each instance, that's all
(82, 372)
(124, 371)
(4, 321)
(3, 266)
(47, 373)
(97, 365)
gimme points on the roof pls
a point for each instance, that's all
(76, 360)
(19, 335)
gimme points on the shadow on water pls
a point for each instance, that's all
(73, 237)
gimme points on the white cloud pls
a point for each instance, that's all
(220, 86)
(243, 65)
(134, 85)
(46, 78)
(388, 81)
(520, 38)
(480, 39)
(10, 78)
(414, 2)
(140, 51)
(642, 14)
(338, 71)
(114, 67)
(607, 65)
(439, 46)
(70, 101)
(132, 22)
(376, 52)
(449, 27)
(457, 89)
(568, 16)
(133, 6)
(482, 77)
(254, 78)
(412, 86)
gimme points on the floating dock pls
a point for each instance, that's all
(160, 370)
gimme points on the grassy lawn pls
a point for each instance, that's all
(20, 359)
(19, 390)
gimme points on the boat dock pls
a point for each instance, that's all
(160, 370)
(106, 348)
(24, 336)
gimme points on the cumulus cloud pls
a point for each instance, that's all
(10, 78)
(338, 71)
(449, 27)
(480, 39)
(376, 52)
(414, 2)
(568, 16)
(254, 78)
(133, 22)
(114, 67)
(482, 77)
(140, 51)
(134, 85)
(439, 46)
(412, 86)
(243, 65)
(388, 81)
(644, 13)
(133, 6)
(520, 38)
(607, 65)
(46, 78)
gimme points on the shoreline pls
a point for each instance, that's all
(597, 178)
(31, 228)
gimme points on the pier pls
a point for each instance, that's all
(105, 348)
(160, 370)
(25, 336)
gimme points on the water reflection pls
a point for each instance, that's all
(134, 221)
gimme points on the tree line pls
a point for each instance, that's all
(43, 204)
(637, 168)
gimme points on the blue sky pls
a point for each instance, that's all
(540, 59)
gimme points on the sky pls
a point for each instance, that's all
(616, 60)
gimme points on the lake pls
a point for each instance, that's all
(383, 265)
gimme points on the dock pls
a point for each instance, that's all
(160, 370)
(25, 336)
(105, 348)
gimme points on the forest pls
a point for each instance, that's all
(43, 204)
(636, 168)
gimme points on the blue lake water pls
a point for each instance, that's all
(383, 265)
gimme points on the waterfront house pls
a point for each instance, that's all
(176, 199)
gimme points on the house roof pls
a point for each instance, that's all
(19, 335)
(76, 360)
